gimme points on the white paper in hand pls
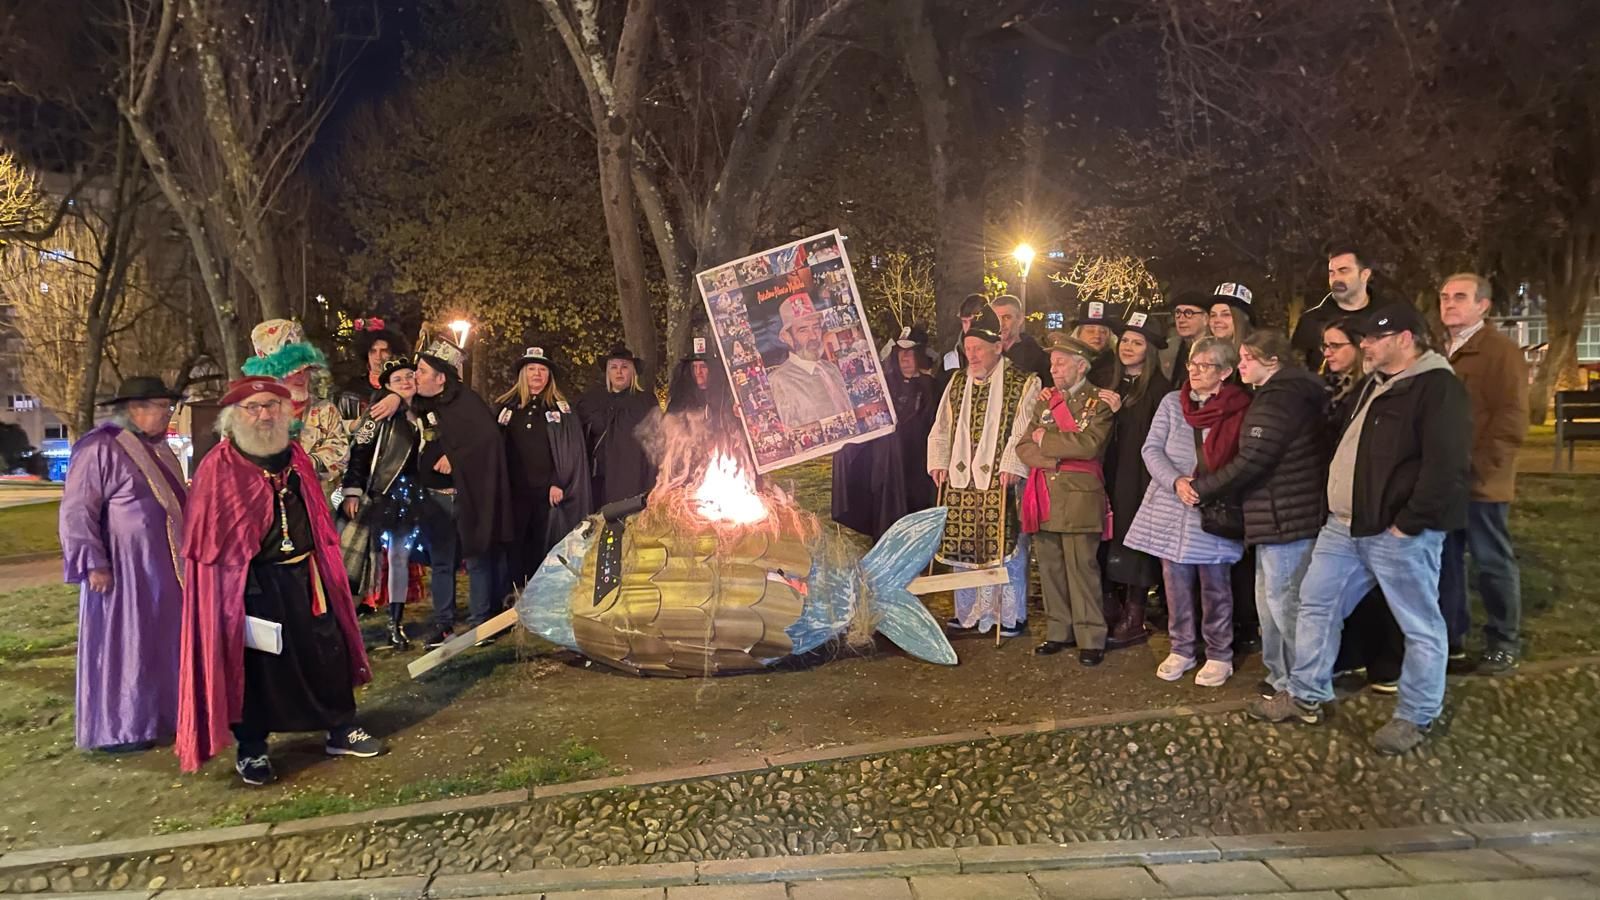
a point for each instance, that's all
(260, 634)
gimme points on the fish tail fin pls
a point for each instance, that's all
(891, 564)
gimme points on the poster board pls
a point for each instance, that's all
(799, 355)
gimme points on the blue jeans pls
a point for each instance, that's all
(1488, 538)
(485, 572)
(1342, 570)
(1279, 570)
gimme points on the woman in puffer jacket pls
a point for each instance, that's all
(1196, 429)
(1280, 474)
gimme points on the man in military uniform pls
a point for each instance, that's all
(972, 456)
(1064, 503)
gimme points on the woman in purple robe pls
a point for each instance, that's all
(121, 527)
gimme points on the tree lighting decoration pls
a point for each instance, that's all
(1121, 282)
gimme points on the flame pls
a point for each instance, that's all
(727, 493)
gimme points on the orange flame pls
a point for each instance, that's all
(727, 493)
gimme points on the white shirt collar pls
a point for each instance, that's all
(807, 366)
(1457, 340)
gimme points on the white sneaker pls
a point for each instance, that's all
(1213, 674)
(1173, 667)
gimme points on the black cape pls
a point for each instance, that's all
(1103, 371)
(570, 473)
(1127, 478)
(619, 465)
(465, 426)
(877, 483)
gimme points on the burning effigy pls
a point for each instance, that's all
(718, 574)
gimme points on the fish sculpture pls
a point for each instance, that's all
(675, 603)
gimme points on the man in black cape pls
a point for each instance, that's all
(612, 412)
(877, 483)
(462, 462)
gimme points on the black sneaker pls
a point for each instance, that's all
(1390, 686)
(352, 741)
(255, 770)
(1012, 631)
(437, 636)
(1265, 690)
(1497, 662)
(1460, 664)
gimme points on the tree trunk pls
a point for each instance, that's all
(950, 126)
(682, 293)
(1564, 316)
(627, 250)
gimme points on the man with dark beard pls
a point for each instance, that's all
(611, 412)
(269, 640)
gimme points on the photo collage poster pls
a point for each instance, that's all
(800, 358)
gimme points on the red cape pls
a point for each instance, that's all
(229, 512)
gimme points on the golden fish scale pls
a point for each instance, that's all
(682, 609)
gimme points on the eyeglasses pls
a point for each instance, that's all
(1195, 364)
(155, 405)
(1330, 346)
(1189, 314)
(255, 410)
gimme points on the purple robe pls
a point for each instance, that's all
(120, 510)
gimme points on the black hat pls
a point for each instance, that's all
(142, 387)
(621, 352)
(536, 355)
(394, 364)
(1235, 295)
(1393, 318)
(972, 304)
(698, 350)
(1196, 299)
(1094, 312)
(912, 337)
(370, 331)
(1145, 324)
(985, 326)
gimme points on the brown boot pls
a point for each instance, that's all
(1111, 604)
(1129, 629)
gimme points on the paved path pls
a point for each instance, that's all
(35, 573)
(1513, 752)
(15, 495)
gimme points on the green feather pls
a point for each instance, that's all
(289, 359)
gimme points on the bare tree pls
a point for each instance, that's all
(224, 98)
(902, 284)
(19, 195)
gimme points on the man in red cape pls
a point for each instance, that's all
(263, 556)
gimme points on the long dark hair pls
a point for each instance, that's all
(1147, 370)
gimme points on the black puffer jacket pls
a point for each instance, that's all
(1281, 470)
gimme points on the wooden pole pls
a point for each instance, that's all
(461, 643)
(1002, 561)
(941, 503)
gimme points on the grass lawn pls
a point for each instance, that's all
(29, 530)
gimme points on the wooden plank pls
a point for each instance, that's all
(966, 578)
(461, 643)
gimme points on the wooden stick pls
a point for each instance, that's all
(1002, 562)
(947, 524)
(951, 581)
(461, 643)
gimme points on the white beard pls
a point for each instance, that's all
(262, 442)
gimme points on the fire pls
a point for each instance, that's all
(727, 493)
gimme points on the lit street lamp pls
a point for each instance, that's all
(460, 327)
(1024, 257)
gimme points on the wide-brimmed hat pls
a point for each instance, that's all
(536, 355)
(699, 350)
(242, 389)
(1197, 299)
(394, 364)
(1235, 295)
(1094, 312)
(621, 352)
(1143, 323)
(142, 387)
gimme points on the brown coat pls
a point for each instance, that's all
(1077, 499)
(1492, 367)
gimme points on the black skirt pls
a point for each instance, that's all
(306, 687)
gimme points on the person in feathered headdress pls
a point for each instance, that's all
(282, 352)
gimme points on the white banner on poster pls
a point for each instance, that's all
(800, 358)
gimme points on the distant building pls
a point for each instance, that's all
(19, 406)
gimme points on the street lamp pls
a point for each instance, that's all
(460, 327)
(1024, 257)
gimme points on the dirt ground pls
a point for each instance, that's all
(522, 712)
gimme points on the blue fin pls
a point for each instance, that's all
(898, 557)
(827, 608)
(545, 607)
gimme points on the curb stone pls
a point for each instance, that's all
(1346, 843)
(889, 863)
(497, 884)
(1031, 857)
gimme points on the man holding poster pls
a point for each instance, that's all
(806, 387)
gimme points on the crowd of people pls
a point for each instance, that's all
(1314, 498)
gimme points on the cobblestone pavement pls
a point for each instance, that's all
(1507, 750)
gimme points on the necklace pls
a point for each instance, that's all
(280, 485)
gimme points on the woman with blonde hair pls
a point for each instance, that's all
(546, 459)
(1230, 316)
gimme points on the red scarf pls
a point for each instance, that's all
(1035, 507)
(1223, 413)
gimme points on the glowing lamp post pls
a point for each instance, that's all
(460, 328)
(1024, 257)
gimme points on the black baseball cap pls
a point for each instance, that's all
(1393, 318)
